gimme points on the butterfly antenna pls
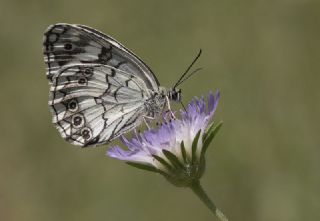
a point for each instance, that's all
(190, 66)
(192, 73)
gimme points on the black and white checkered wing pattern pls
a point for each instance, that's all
(94, 104)
(66, 44)
(99, 89)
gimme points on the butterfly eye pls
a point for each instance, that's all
(77, 120)
(68, 46)
(86, 133)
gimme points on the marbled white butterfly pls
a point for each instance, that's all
(98, 88)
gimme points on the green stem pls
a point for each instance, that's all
(199, 191)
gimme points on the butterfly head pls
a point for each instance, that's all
(175, 95)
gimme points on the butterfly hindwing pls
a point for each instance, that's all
(66, 45)
(93, 104)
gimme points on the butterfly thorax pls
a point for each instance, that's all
(155, 104)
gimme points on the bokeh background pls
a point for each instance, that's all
(264, 57)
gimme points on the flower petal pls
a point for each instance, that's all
(161, 147)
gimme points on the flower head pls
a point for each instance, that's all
(176, 149)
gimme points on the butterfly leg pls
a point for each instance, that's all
(146, 122)
(169, 108)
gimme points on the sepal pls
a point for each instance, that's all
(143, 167)
(194, 147)
(208, 137)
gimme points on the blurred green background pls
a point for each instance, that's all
(262, 55)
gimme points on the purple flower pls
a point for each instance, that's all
(176, 149)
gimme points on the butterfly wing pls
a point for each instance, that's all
(66, 44)
(98, 87)
(93, 104)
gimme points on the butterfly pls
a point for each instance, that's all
(99, 89)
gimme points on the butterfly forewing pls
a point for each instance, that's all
(98, 89)
(66, 44)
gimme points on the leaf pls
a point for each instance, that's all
(143, 167)
(183, 151)
(209, 138)
(173, 159)
(163, 162)
(194, 146)
(210, 128)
